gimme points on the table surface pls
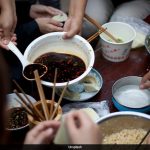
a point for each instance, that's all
(137, 64)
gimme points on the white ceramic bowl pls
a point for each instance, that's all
(53, 42)
(117, 52)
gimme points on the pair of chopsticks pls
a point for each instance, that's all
(31, 109)
(99, 26)
(27, 104)
(42, 96)
(91, 38)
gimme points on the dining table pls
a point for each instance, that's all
(137, 64)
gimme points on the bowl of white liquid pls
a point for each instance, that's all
(127, 95)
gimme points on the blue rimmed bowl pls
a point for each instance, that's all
(127, 96)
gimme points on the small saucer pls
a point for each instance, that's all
(78, 88)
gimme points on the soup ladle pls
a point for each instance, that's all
(28, 68)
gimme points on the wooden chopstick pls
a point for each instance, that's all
(53, 94)
(41, 93)
(148, 132)
(25, 107)
(22, 99)
(99, 26)
(26, 104)
(91, 38)
(36, 111)
(59, 101)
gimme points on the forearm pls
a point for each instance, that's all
(77, 8)
(7, 4)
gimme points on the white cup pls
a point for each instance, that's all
(117, 52)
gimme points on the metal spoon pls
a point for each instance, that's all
(28, 68)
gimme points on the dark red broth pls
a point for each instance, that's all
(69, 66)
(29, 70)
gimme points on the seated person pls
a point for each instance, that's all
(111, 10)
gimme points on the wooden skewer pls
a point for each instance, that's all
(36, 111)
(41, 93)
(59, 101)
(25, 107)
(100, 27)
(53, 94)
(95, 35)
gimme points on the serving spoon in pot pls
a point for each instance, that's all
(28, 68)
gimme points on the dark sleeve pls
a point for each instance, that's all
(26, 33)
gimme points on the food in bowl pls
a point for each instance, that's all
(124, 125)
(54, 42)
(69, 66)
(125, 136)
(127, 95)
(17, 118)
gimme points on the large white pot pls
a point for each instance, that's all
(53, 42)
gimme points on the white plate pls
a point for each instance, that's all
(11, 99)
(86, 95)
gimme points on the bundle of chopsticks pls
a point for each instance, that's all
(100, 30)
(29, 106)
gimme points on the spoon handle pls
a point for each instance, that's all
(17, 52)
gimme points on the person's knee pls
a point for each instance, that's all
(100, 10)
(137, 9)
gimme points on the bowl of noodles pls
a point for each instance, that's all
(124, 127)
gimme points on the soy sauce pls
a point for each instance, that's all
(29, 70)
(69, 66)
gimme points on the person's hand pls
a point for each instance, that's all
(38, 11)
(145, 83)
(72, 27)
(8, 22)
(3, 42)
(47, 25)
(42, 133)
(81, 129)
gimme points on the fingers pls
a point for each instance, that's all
(145, 83)
(77, 120)
(71, 28)
(56, 23)
(52, 28)
(44, 137)
(53, 11)
(42, 133)
(43, 126)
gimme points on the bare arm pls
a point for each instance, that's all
(8, 21)
(76, 13)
